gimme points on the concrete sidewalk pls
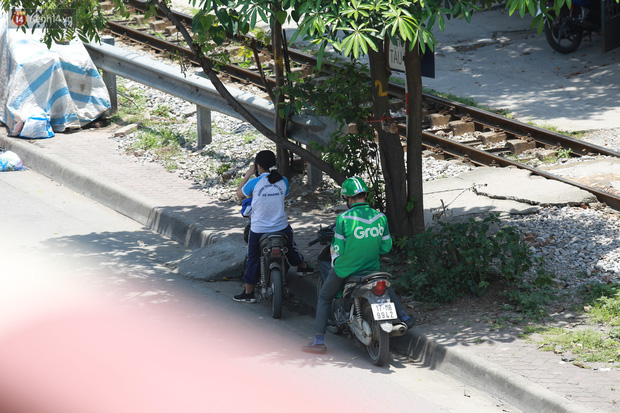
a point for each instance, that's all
(511, 369)
(500, 62)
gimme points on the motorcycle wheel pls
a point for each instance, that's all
(379, 348)
(560, 35)
(275, 284)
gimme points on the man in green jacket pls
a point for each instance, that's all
(361, 235)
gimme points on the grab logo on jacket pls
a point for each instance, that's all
(373, 232)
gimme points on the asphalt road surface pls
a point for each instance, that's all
(92, 319)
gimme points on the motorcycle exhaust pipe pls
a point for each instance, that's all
(398, 330)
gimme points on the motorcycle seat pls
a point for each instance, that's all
(272, 234)
(369, 276)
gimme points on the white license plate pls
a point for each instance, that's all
(385, 311)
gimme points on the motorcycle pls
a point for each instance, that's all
(565, 30)
(363, 309)
(273, 269)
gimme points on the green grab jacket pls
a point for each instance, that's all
(360, 236)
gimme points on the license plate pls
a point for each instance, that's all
(385, 311)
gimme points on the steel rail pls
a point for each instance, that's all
(546, 137)
(480, 157)
(432, 141)
(166, 46)
(543, 137)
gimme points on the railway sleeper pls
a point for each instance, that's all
(492, 138)
(460, 128)
(436, 120)
(518, 146)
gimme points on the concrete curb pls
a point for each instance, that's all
(473, 370)
(168, 223)
(483, 375)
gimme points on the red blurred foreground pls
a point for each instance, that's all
(87, 356)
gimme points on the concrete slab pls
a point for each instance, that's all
(214, 261)
(497, 190)
(592, 173)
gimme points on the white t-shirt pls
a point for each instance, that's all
(267, 203)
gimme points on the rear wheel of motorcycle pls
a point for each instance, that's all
(560, 34)
(379, 347)
(275, 283)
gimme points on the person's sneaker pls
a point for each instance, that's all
(245, 297)
(305, 271)
(314, 348)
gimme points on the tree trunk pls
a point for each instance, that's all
(283, 156)
(390, 148)
(415, 193)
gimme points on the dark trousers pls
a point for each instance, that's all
(252, 269)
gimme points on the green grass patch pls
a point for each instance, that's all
(585, 345)
(603, 302)
(551, 128)
(132, 105)
(469, 102)
(162, 143)
(531, 300)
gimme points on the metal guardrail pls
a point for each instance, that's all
(200, 91)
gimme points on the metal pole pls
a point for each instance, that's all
(110, 80)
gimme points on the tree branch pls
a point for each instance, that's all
(206, 65)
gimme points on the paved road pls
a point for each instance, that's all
(90, 310)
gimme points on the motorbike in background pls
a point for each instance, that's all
(565, 30)
(364, 309)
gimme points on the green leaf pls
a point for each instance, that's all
(281, 16)
(533, 10)
(513, 6)
(253, 18)
(442, 22)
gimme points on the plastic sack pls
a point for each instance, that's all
(10, 161)
(37, 127)
(246, 207)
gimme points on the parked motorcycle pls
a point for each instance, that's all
(273, 269)
(565, 30)
(364, 309)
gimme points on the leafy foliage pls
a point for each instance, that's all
(531, 299)
(66, 19)
(449, 260)
(343, 96)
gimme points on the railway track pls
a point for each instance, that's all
(486, 139)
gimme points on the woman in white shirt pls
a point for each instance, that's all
(268, 190)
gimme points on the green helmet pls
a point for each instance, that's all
(353, 186)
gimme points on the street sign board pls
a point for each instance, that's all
(397, 60)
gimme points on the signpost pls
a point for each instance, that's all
(397, 64)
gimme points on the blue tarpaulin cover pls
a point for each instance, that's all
(60, 83)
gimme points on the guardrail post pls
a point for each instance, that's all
(203, 123)
(315, 175)
(110, 80)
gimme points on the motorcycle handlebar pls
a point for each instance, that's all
(325, 235)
